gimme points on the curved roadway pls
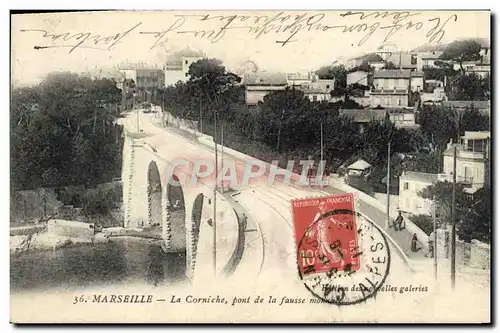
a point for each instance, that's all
(268, 206)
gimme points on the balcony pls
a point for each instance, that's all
(386, 91)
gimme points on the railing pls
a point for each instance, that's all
(389, 91)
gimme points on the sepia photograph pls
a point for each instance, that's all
(250, 166)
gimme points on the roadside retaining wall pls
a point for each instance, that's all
(480, 255)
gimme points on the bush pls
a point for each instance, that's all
(424, 222)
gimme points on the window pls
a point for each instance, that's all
(186, 62)
(405, 186)
(327, 86)
(399, 101)
(186, 75)
(315, 98)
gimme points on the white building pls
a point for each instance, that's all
(410, 185)
(300, 78)
(427, 59)
(360, 77)
(391, 88)
(177, 69)
(473, 170)
(145, 78)
(317, 95)
(480, 70)
(258, 85)
(466, 65)
(472, 159)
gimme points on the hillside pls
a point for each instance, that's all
(484, 42)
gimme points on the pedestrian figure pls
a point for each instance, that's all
(398, 223)
(430, 253)
(414, 241)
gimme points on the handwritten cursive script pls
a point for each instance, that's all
(81, 39)
(289, 26)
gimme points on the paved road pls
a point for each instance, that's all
(268, 206)
(402, 238)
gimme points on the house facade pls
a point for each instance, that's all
(317, 95)
(177, 69)
(300, 79)
(145, 78)
(472, 159)
(427, 59)
(392, 88)
(258, 85)
(473, 169)
(482, 71)
(360, 77)
(410, 185)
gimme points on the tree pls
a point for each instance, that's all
(424, 222)
(471, 87)
(210, 81)
(441, 193)
(473, 213)
(63, 132)
(462, 50)
(475, 219)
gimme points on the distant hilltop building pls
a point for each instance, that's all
(177, 65)
(258, 85)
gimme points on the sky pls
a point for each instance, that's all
(317, 38)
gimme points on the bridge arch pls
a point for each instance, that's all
(174, 206)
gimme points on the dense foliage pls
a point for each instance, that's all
(63, 132)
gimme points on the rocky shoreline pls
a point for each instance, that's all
(45, 241)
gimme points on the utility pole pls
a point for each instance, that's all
(214, 249)
(434, 250)
(453, 218)
(388, 183)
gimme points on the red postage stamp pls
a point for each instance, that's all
(326, 234)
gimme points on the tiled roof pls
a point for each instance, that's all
(392, 73)
(359, 165)
(265, 78)
(423, 177)
(431, 54)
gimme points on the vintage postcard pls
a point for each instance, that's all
(250, 167)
